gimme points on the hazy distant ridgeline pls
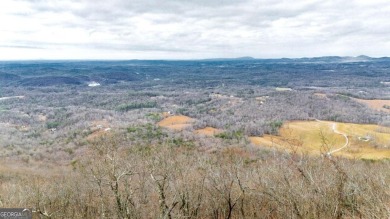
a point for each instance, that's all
(323, 72)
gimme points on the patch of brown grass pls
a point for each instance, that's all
(208, 131)
(176, 122)
(376, 104)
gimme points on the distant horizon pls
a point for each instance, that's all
(197, 59)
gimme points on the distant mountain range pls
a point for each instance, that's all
(230, 59)
(323, 59)
(264, 72)
(361, 58)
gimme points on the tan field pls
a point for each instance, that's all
(375, 104)
(176, 122)
(321, 137)
(180, 123)
(208, 131)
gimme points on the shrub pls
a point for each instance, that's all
(131, 106)
(52, 125)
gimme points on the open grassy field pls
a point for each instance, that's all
(176, 122)
(208, 131)
(316, 137)
(180, 122)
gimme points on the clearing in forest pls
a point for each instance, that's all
(208, 131)
(176, 122)
(339, 139)
(377, 104)
(179, 123)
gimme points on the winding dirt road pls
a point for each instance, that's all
(334, 128)
(339, 133)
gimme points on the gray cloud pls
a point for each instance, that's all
(201, 28)
(21, 46)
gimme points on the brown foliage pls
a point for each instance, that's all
(117, 181)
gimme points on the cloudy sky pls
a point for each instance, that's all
(186, 29)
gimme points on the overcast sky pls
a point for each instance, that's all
(185, 29)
